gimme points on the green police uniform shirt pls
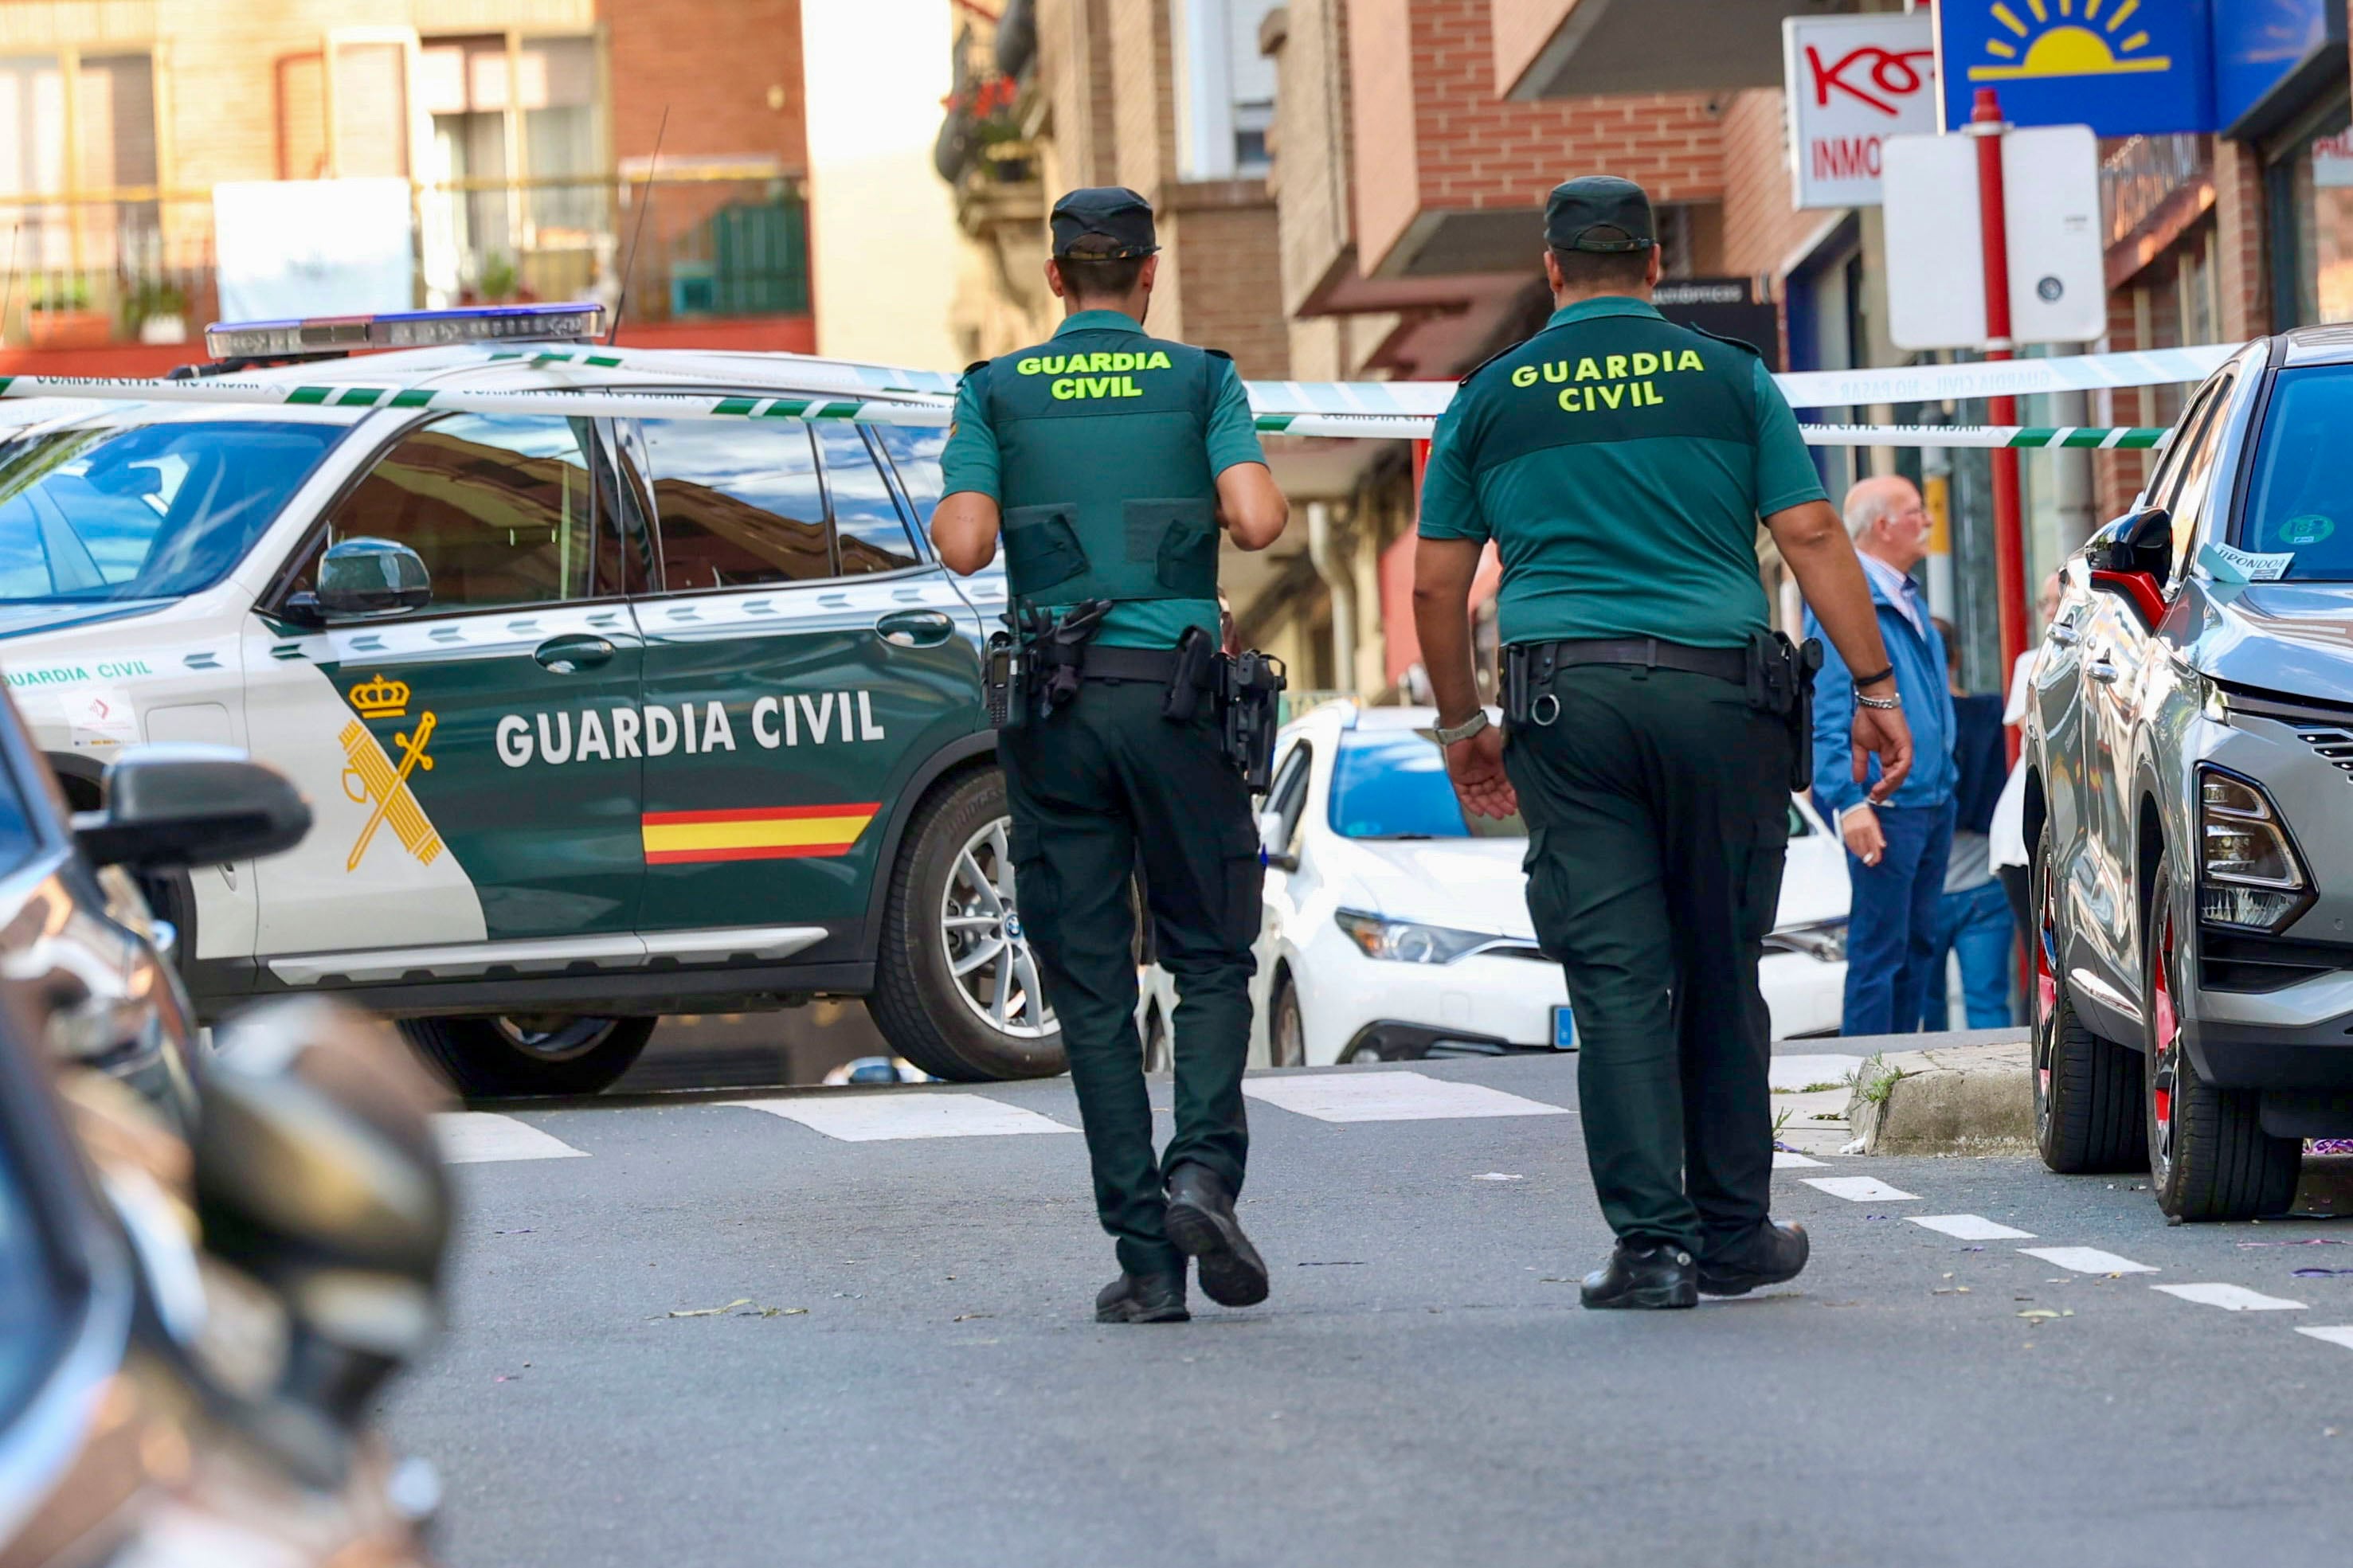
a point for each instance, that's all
(1620, 464)
(971, 460)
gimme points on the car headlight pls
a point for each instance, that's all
(1824, 940)
(2250, 874)
(1404, 942)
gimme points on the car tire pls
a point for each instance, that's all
(1286, 1027)
(953, 864)
(2087, 1090)
(2209, 1156)
(504, 1058)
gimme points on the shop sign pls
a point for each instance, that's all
(1851, 82)
(2125, 68)
(2259, 45)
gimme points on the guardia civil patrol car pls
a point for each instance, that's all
(603, 713)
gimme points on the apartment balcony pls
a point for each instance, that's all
(124, 281)
(1570, 49)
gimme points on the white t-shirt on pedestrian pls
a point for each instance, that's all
(2007, 830)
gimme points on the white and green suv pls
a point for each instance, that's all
(602, 716)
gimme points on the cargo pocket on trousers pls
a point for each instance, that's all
(1245, 878)
(1547, 911)
(1041, 548)
(1037, 899)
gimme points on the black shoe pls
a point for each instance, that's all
(1142, 1299)
(1643, 1277)
(1772, 1254)
(1201, 1222)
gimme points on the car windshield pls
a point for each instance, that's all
(143, 512)
(1391, 784)
(2301, 504)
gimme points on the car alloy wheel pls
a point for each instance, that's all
(553, 1037)
(988, 953)
(2165, 1056)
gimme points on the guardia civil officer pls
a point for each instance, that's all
(1653, 727)
(1111, 460)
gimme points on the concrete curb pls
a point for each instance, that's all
(1956, 1099)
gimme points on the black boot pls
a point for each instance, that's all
(1201, 1222)
(1660, 1275)
(1142, 1299)
(1770, 1255)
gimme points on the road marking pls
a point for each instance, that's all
(2341, 1334)
(476, 1137)
(1389, 1097)
(1971, 1228)
(1860, 1189)
(2087, 1260)
(1784, 1160)
(1790, 1075)
(2230, 1298)
(874, 1117)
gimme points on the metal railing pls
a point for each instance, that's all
(128, 266)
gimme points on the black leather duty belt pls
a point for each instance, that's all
(1647, 653)
(1155, 664)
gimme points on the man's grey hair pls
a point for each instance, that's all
(1873, 500)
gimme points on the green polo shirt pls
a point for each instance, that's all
(1620, 464)
(970, 462)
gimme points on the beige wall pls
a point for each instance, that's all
(882, 233)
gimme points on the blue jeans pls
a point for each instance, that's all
(1976, 924)
(1890, 928)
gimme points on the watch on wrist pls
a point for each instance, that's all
(1462, 731)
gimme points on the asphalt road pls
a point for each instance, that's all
(910, 1374)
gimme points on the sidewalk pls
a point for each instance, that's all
(1964, 1091)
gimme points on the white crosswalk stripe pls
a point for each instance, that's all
(2230, 1298)
(1389, 1097)
(476, 1137)
(1860, 1189)
(1786, 1160)
(2335, 1334)
(1971, 1228)
(2087, 1260)
(880, 1117)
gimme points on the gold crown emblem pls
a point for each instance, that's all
(381, 699)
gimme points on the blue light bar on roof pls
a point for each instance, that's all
(405, 330)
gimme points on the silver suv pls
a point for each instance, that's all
(2189, 751)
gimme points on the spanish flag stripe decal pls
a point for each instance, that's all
(758, 834)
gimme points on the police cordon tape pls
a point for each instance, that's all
(935, 411)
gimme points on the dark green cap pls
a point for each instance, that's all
(1598, 213)
(1108, 223)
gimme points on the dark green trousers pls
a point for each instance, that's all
(1103, 788)
(1658, 809)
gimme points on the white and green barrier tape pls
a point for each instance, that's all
(876, 394)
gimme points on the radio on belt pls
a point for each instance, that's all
(322, 335)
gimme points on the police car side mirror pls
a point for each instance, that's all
(370, 577)
(176, 806)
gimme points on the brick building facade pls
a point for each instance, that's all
(525, 127)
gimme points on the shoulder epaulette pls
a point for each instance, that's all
(1741, 343)
(1218, 353)
(1490, 359)
(978, 364)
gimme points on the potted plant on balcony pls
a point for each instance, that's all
(155, 311)
(58, 316)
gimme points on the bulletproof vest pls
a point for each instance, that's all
(1104, 468)
(1610, 379)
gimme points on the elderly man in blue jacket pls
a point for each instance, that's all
(1896, 850)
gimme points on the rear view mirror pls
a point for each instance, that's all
(1274, 841)
(368, 577)
(2133, 557)
(316, 1173)
(173, 806)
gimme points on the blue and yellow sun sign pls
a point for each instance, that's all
(2125, 68)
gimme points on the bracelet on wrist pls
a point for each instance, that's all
(1883, 704)
(1862, 681)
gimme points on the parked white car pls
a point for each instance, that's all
(1396, 929)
